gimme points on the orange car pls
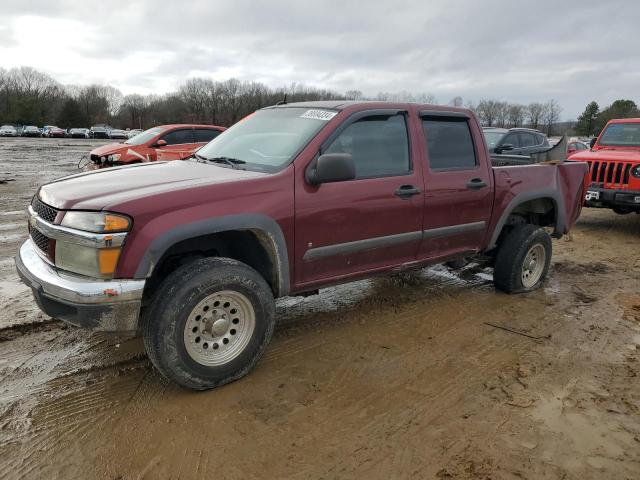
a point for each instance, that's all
(166, 142)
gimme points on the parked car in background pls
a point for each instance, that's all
(117, 134)
(78, 133)
(45, 130)
(614, 167)
(8, 131)
(56, 132)
(515, 141)
(293, 198)
(31, 131)
(166, 142)
(134, 132)
(98, 132)
(575, 146)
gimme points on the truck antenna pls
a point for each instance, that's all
(283, 101)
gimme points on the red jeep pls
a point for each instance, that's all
(614, 167)
(166, 142)
(291, 199)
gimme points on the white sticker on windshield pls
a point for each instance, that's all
(319, 115)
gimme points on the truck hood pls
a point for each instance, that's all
(100, 189)
(607, 154)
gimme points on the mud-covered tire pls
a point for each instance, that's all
(516, 248)
(185, 291)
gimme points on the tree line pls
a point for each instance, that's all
(592, 120)
(31, 97)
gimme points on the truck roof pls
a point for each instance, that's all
(625, 120)
(361, 105)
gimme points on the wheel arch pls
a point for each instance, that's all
(257, 233)
(545, 206)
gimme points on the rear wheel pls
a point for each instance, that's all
(209, 323)
(523, 259)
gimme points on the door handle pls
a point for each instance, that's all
(406, 191)
(476, 184)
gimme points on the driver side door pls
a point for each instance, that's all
(370, 223)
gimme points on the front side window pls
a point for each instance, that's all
(179, 137)
(378, 144)
(449, 143)
(527, 139)
(205, 135)
(512, 139)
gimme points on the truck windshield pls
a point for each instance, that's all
(621, 135)
(268, 140)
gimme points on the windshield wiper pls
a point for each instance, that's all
(234, 162)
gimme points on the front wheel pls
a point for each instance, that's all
(523, 259)
(209, 323)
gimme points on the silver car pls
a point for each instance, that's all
(8, 131)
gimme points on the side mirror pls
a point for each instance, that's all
(504, 148)
(161, 143)
(593, 142)
(331, 167)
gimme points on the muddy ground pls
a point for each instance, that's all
(400, 377)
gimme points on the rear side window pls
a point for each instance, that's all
(178, 137)
(378, 144)
(449, 143)
(205, 135)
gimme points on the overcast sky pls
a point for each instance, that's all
(573, 51)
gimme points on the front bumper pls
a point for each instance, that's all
(608, 198)
(104, 305)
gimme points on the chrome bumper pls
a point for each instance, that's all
(105, 305)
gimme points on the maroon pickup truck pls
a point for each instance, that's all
(291, 199)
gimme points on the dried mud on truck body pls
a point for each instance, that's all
(385, 378)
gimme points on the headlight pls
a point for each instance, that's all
(96, 222)
(635, 171)
(89, 260)
(93, 262)
(113, 158)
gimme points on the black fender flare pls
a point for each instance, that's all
(523, 197)
(269, 234)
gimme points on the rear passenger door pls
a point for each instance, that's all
(458, 185)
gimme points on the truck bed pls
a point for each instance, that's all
(563, 184)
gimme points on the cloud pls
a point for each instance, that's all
(498, 49)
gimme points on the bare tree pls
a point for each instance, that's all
(551, 115)
(515, 115)
(534, 114)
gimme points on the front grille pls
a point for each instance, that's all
(41, 241)
(610, 174)
(43, 210)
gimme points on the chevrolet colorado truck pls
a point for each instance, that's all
(291, 199)
(614, 167)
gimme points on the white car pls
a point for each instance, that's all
(134, 132)
(8, 131)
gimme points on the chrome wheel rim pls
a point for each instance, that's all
(533, 265)
(219, 328)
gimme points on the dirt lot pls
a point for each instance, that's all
(391, 378)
